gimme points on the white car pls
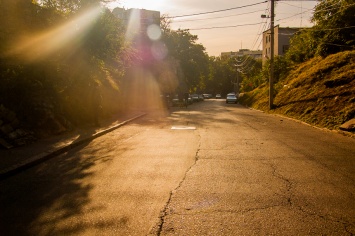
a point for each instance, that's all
(231, 98)
(218, 96)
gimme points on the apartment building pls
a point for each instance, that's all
(137, 19)
(143, 30)
(281, 41)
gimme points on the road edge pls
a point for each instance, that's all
(37, 159)
(341, 132)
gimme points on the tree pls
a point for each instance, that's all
(303, 47)
(59, 81)
(190, 56)
(222, 75)
(68, 7)
(334, 26)
(333, 32)
(251, 77)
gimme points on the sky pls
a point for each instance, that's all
(240, 27)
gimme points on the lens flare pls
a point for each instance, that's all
(154, 32)
(134, 25)
(42, 45)
(159, 50)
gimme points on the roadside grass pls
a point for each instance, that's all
(320, 92)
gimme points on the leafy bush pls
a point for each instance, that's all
(56, 83)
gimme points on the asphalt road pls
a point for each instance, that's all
(210, 169)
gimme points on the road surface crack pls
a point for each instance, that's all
(287, 182)
(288, 195)
(346, 224)
(164, 212)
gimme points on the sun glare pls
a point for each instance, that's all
(33, 47)
(156, 5)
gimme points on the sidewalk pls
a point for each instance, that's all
(17, 159)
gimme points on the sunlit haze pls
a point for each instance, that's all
(35, 46)
(233, 25)
(143, 4)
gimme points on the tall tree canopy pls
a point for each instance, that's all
(191, 56)
(334, 31)
(222, 75)
(335, 24)
(53, 52)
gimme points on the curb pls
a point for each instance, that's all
(342, 132)
(37, 159)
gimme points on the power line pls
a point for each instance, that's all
(209, 12)
(217, 17)
(261, 29)
(339, 45)
(325, 9)
(296, 0)
(293, 15)
(331, 7)
(246, 61)
(223, 27)
(312, 29)
(295, 6)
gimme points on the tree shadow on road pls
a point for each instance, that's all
(51, 197)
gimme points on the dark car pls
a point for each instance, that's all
(207, 95)
(190, 101)
(195, 97)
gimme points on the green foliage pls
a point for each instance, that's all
(106, 37)
(68, 7)
(61, 80)
(222, 75)
(252, 76)
(319, 91)
(190, 56)
(335, 22)
(281, 71)
(303, 47)
(333, 32)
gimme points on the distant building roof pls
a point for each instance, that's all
(243, 52)
(144, 15)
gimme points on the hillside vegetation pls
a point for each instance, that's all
(320, 92)
(70, 63)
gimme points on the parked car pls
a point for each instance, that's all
(201, 97)
(195, 98)
(175, 101)
(231, 98)
(181, 101)
(207, 95)
(190, 101)
(218, 96)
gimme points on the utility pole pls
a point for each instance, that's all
(236, 85)
(271, 80)
(237, 89)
